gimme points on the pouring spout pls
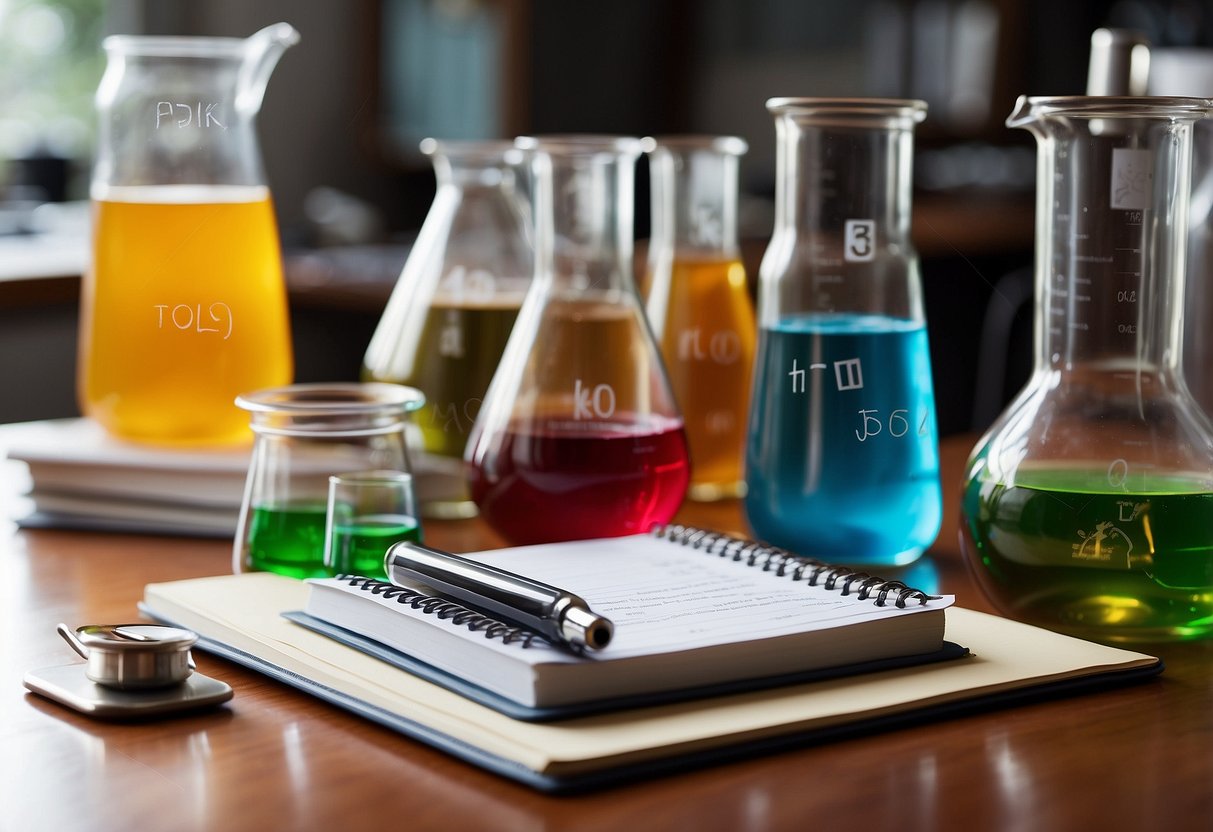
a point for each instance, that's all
(1023, 114)
(261, 53)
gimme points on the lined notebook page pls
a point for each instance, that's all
(662, 595)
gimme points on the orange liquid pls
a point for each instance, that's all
(184, 308)
(708, 340)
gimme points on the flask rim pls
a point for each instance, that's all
(333, 398)
(729, 145)
(580, 144)
(174, 46)
(487, 150)
(380, 477)
(852, 109)
(1031, 107)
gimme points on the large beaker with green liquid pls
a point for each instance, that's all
(1088, 506)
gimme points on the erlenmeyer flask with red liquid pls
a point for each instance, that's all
(579, 435)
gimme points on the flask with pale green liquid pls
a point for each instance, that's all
(1088, 505)
(449, 317)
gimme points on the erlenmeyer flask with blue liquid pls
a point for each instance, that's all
(842, 458)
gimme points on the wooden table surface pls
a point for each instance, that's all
(1139, 757)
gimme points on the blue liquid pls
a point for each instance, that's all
(842, 459)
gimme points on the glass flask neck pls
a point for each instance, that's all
(474, 164)
(1112, 193)
(583, 212)
(694, 195)
(844, 159)
(841, 243)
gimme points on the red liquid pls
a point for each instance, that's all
(565, 480)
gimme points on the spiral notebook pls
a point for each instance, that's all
(693, 611)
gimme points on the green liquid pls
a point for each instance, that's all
(359, 545)
(288, 540)
(1105, 565)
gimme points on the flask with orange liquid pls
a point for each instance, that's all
(698, 303)
(183, 307)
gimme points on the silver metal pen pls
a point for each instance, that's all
(554, 613)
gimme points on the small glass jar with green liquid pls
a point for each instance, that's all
(304, 434)
(368, 512)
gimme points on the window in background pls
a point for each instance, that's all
(441, 69)
(50, 64)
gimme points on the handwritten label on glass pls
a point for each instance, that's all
(196, 114)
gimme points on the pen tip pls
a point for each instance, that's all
(581, 626)
(598, 636)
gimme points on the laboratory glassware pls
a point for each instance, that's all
(448, 319)
(579, 435)
(368, 511)
(183, 306)
(1087, 505)
(698, 303)
(1119, 63)
(305, 433)
(1189, 72)
(842, 456)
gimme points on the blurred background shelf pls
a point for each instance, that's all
(346, 109)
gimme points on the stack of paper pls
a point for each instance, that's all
(79, 477)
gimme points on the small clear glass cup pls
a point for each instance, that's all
(367, 512)
(304, 434)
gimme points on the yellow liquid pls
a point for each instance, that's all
(708, 341)
(184, 308)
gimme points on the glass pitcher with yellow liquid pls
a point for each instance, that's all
(183, 307)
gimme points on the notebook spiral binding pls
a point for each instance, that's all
(796, 567)
(442, 608)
